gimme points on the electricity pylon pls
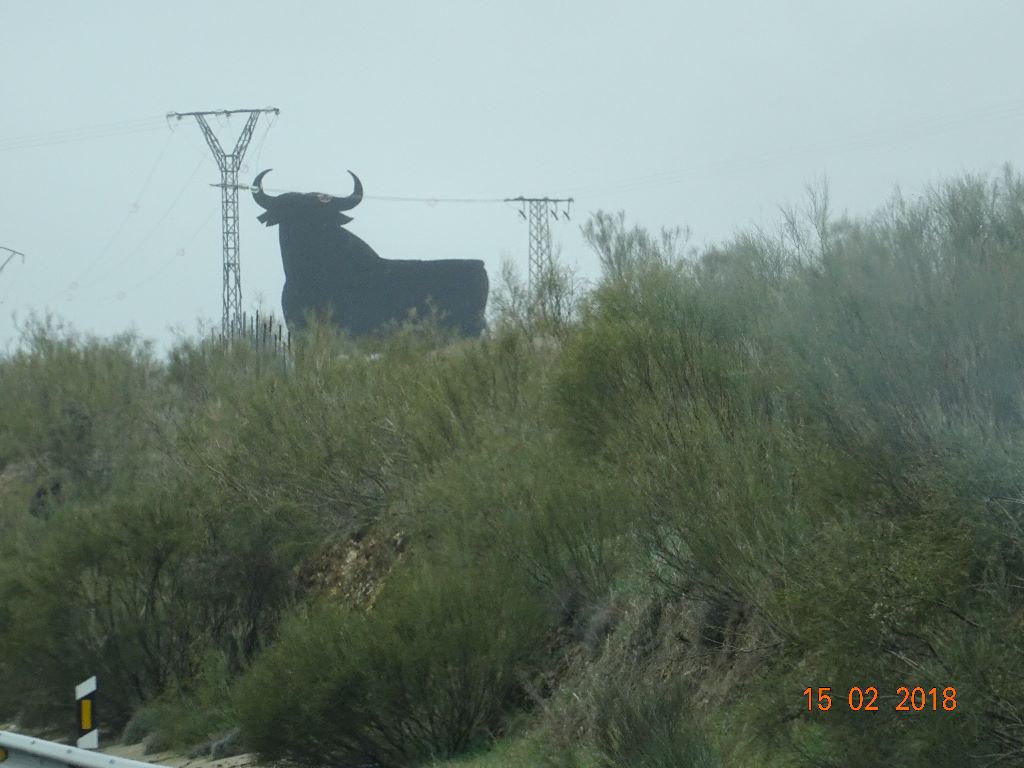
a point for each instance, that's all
(229, 164)
(539, 208)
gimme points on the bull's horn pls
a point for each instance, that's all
(346, 203)
(258, 194)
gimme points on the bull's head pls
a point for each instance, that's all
(311, 206)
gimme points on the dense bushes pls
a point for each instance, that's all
(564, 523)
(428, 673)
(823, 428)
(648, 726)
(651, 521)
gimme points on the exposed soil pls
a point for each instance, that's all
(135, 752)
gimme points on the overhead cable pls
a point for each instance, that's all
(84, 133)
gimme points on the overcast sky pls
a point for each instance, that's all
(709, 115)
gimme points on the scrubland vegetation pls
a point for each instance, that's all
(628, 531)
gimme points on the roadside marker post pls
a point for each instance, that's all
(88, 733)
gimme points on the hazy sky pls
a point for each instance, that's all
(702, 114)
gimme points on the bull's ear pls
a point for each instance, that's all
(265, 219)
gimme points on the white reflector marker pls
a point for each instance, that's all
(88, 733)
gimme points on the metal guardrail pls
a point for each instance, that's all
(18, 751)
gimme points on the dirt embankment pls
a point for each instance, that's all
(135, 752)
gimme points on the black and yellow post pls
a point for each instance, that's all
(88, 733)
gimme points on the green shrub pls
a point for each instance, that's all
(562, 522)
(677, 385)
(192, 715)
(641, 725)
(101, 592)
(75, 408)
(824, 434)
(429, 672)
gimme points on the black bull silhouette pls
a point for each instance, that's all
(332, 273)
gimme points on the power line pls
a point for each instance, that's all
(178, 254)
(71, 288)
(386, 198)
(152, 230)
(84, 133)
(429, 200)
(132, 210)
(263, 138)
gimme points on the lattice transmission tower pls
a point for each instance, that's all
(229, 164)
(538, 211)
